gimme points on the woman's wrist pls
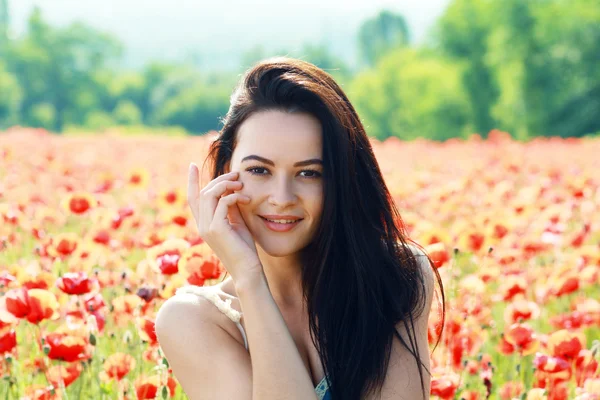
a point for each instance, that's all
(250, 281)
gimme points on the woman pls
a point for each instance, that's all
(329, 299)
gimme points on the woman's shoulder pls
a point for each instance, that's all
(201, 304)
(216, 296)
(427, 272)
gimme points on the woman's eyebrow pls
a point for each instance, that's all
(267, 161)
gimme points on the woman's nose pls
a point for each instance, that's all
(282, 194)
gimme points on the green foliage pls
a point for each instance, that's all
(462, 34)
(411, 94)
(532, 65)
(127, 113)
(99, 120)
(381, 34)
(43, 115)
(526, 67)
(10, 97)
(53, 66)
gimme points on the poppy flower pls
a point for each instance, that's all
(94, 302)
(41, 392)
(8, 340)
(75, 283)
(65, 373)
(511, 389)
(164, 258)
(36, 279)
(444, 385)
(6, 279)
(171, 198)
(520, 309)
(511, 286)
(199, 263)
(65, 347)
(147, 330)
(438, 253)
(566, 344)
(550, 364)
(34, 305)
(63, 245)
(523, 337)
(147, 387)
(585, 366)
(137, 178)
(116, 366)
(79, 203)
(147, 293)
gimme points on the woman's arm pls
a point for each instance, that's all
(277, 368)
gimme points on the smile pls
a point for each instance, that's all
(280, 225)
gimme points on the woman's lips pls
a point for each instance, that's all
(277, 227)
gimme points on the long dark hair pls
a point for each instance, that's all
(358, 281)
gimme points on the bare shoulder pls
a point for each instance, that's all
(198, 303)
(427, 273)
(199, 343)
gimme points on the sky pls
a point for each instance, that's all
(216, 31)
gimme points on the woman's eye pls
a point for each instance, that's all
(311, 174)
(253, 170)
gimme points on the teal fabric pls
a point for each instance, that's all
(322, 390)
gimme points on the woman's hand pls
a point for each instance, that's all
(220, 224)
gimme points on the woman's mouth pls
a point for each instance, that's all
(281, 225)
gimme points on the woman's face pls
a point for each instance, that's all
(279, 159)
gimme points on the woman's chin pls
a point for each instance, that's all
(274, 249)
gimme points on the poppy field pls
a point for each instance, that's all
(95, 233)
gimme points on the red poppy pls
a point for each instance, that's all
(438, 254)
(116, 366)
(67, 374)
(66, 347)
(75, 283)
(147, 330)
(41, 392)
(566, 344)
(146, 387)
(550, 364)
(34, 305)
(79, 203)
(8, 340)
(444, 386)
(510, 390)
(523, 337)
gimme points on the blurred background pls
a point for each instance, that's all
(435, 69)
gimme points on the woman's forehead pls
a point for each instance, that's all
(278, 134)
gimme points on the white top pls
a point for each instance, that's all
(210, 293)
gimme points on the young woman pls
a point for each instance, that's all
(325, 299)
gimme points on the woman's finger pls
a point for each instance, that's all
(223, 188)
(210, 199)
(193, 190)
(224, 204)
(228, 176)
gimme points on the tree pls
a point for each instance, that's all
(10, 98)
(411, 94)
(531, 67)
(54, 66)
(462, 35)
(378, 35)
